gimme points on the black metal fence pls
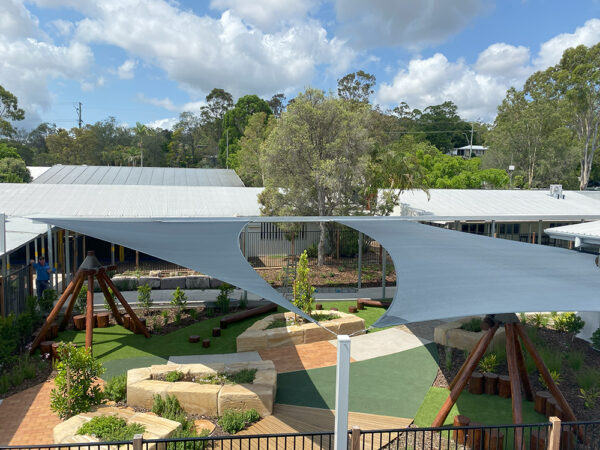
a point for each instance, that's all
(17, 287)
(573, 435)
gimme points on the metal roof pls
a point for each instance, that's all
(498, 204)
(155, 176)
(36, 171)
(586, 232)
(29, 200)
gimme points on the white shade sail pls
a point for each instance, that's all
(440, 273)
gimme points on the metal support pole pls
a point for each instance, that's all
(67, 279)
(43, 249)
(3, 245)
(112, 254)
(50, 251)
(383, 271)
(35, 249)
(342, 390)
(246, 256)
(493, 229)
(55, 243)
(360, 245)
(539, 239)
(456, 223)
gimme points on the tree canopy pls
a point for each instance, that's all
(9, 111)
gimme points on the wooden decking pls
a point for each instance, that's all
(300, 419)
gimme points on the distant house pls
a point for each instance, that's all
(475, 150)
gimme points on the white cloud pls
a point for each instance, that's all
(267, 15)
(203, 52)
(409, 23)
(30, 59)
(552, 50)
(126, 70)
(90, 85)
(477, 89)
(62, 27)
(165, 124)
(165, 103)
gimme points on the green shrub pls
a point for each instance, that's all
(9, 340)
(539, 320)
(116, 388)
(243, 303)
(575, 359)
(448, 357)
(555, 376)
(145, 297)
(312, 251)
(75, 392)
(277, 323)
(49, 297)
(16, 376)
(4, 384)
(245, 376)
(568, 322)
(31, 308)
(587, 378)
(174, 376)
(488, 363)
(589, 397)
(473, 325)
(179, 299)
(552, 359)
(223, 298)
(194, 313)
(596, 339)
(304, 292)
(233, 421)
(111, 428)
(320, 317)
(169, 408)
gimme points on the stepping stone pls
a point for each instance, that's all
(352, 309)
(193, 339)
(46, 347)
(333, 309)
(319, 306)
(206, 343)
(216, 332)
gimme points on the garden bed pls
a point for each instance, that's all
(577, 363)
(205, 398)
(260, 335)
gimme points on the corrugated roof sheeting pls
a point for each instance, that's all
(128, 201)
(170, 176)
(581, 230)
(481, 202)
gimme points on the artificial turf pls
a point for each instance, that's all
(392, 385)
(134, 350)
(484, 409)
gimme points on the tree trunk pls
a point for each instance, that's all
(321, 248)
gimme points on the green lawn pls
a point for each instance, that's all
(134, 350)
(485, 409)
(392, 385)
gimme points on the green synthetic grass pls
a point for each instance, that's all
(484, 409)
(134, 350)
(116, 342)
(391, 385)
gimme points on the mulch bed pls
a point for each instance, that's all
(43, 372)
(558, 342)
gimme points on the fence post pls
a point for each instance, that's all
(138, 440)
(342, 389)
(355, 443)
(360, 243)
(555, 431)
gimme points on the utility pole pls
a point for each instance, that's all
(471, 145)
(78, 110)
(227, 154)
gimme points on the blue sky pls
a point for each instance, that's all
(149, 60)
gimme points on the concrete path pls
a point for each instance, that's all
(382, 343)
(161, 296)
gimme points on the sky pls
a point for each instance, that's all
(149, 60)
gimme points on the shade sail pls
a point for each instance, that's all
(440, 273)
(443, 273)
(211, 248)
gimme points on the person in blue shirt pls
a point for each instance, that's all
(42, 279)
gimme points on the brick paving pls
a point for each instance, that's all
(27, 418)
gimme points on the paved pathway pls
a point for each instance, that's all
(26, 418)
